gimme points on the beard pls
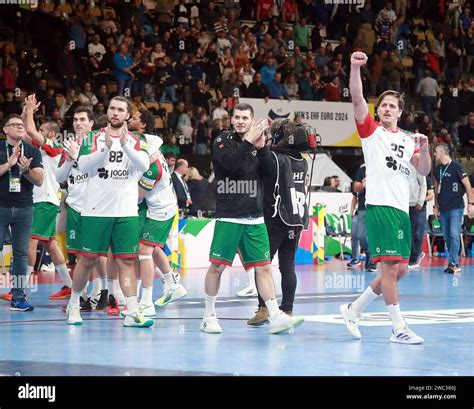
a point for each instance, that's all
(118, 125)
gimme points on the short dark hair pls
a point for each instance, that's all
(148, 119)
(123, 99)
(243, 107)
(88, 111)
(170, 154)
(401, 102)
(9, 117)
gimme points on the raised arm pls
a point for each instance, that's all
(361, 110)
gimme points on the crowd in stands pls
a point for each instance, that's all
(189, 61)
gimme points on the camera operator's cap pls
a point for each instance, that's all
(154, 142)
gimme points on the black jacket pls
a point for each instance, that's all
(239, 170)
(181, 193)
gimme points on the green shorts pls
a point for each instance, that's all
(142, 209)
(251, 239)
(389, 233)
(155, 232)
(73, 230)
(120, 233)
(44, 221)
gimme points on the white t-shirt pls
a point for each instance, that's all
(49, 191)
(387, 157)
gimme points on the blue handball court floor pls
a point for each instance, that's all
(437, 306)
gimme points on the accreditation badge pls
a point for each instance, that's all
(15, 185)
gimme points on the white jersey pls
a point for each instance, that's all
(387, 157)
(49, 191)
(77, 185)
(112, 187)
(161, 198)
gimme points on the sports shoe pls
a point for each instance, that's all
(48, 267)
(452, 268)
(371, 267)
(260, 318)
(171, 295)
(113, 308)
(211, 325)
(351, 319)
(417, 263)
(405, 336)
(284, 323)
(176, 279)
(85, 305)
(353, 263)
(457, 269)
(102, 303)
(6, 296)
(137, 320)
(249, 291)
(147, 310)
(21, 305)
(73, 315)
(63, 293)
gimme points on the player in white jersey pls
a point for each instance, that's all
(156, 190)
(68, 171)
(46, 198)
(388, 153)
(115, 160)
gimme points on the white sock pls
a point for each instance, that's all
(121, 297)
(273, 310)
(396, 316)
(103, 283)
(210, 305)
(159, 273)
(139, 285)
(251, 277)
(169, 280)
(131, 303)
(147, 296)
(84, 293)
(74, 300)
(29, 270)
(112, 285)
(64, 274)
(96, 287)
(364, 300)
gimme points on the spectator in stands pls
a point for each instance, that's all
(185, 131)
(123, 65)
(264, 10)
(428, 90)
(49, 104)
(99, 109)
(227, 65)
(180, 186)
(276, 89)
(392, 71)
(87, 97)
(407, 123)
(329, 184)
(209, 17)
(10, 104)
(453, 63)
(450, 111)
(466, 134)
(202, 135)
(466, 102)
(66, 67)
(216, 130)
(9, 75)
(103, 95)
(291, 87)
(302, 34)
(221, 110)
(290, 11)
(198, 187)
(201, 96)
(332, 91)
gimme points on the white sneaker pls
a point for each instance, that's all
(405, 336)
(147, 310)
(249, 291)
(48, 267)
(351, 319)
(171, 295)
(211, 325)
(73, 315)
(176, 278)
(284, 323)
(136, 319)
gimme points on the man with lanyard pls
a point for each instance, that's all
(46, 198)
(115, 160)
(20, 169)
(240, 224)
(451, 184)
(388, 153)
(68, 171)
